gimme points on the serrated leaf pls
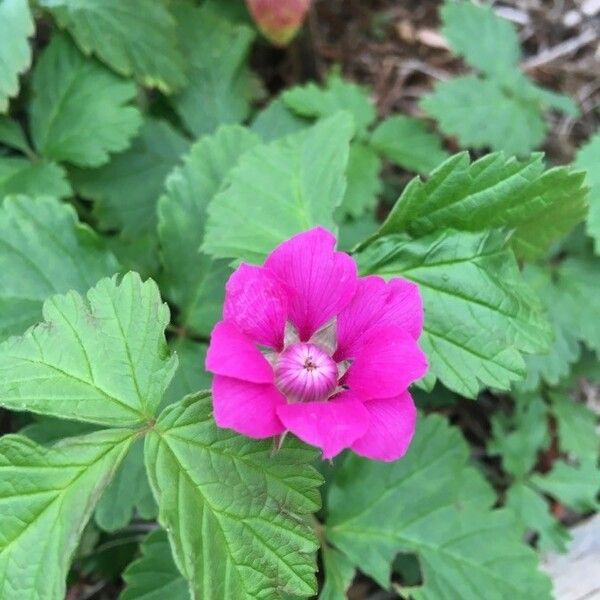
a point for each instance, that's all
(532, 513)
(47, 496)
(154, 575)
(221, 86)
(493, 192)
(133, 37)
(137, 253)
(482, 114)
(216, 523)
(519, 438)
(434, 504)
(16, 25)
(577, 486)
(588, 158)
(79, 112)
(280, 189)
(479, 313)
(12, 134)
(100, 359)
(276, 121)
(21, 176)
(485, 40)
(363, 184)
(126, 189)
(337, 94)
(339, 573)
(194, 281)
(409, 143)
(44, 251)
(128, 493)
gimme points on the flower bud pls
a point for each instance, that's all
(279, 20)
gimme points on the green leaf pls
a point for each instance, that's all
(221, 86)
(519, 438)
(337, 94)
(154, 575)
(193, 280)
(532, 513)
(280, 189)
(480, 314)
(134, 37)
(409, 143)
(190, 376)
(48, 430)
(352, 233)
(16, 25)
(100, 359)
(21, 176)
(339, 573)
(481, 113)
(44, 251)
(577, 486)
(493, 192)
(276, 121)
(576, 426)
(240, 536)
(48, 495)
(79, 111)
(434, 504)
(364, 184)
(588, 158)
(485, 40)
(12, 134)
(126, 189)
(127, 494)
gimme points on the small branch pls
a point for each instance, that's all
(563, 49)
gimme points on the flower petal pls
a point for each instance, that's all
(323, 281)
(248, 408)
(378, 303)
(257, 302)
(331, 426)
(388, 361)
(391, 428)
(234, 354)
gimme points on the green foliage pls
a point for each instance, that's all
(363, 181)
(132, 37)
(16, 25)
(215, 524)
(588, 158)
(339, 572)
(22, 176)
(480, 312)
(79, 112)
(291, 185)
(434, 504)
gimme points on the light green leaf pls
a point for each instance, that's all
(16, 25)
(339, 573)
(100, 359)
(137, 252)
(240, 536)
(409, 143)
(480, 314)
(127, 494)
(276, 121)
(280, 189)
(434, 504)
(577, 426)
(486, 41)
(134, 37)
(337, 94)
(364, 184)
(519, 438)
(47, 496)
(483, 114)
(588, 158)
(221, 86)
(193, 280)
(12, 134)
(126, 190)
(532, 513)
(577, 486)
(493, 192)
(44, 251)
(21, 176)
(154, 575)
(352, 233)
(79, 111)
(48, 430)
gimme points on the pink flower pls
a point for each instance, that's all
(307, 346)
(279, 20)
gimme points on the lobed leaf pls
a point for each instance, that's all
(588, 158)
(21, 176)
(363, 182)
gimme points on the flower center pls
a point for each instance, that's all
(304, 372)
